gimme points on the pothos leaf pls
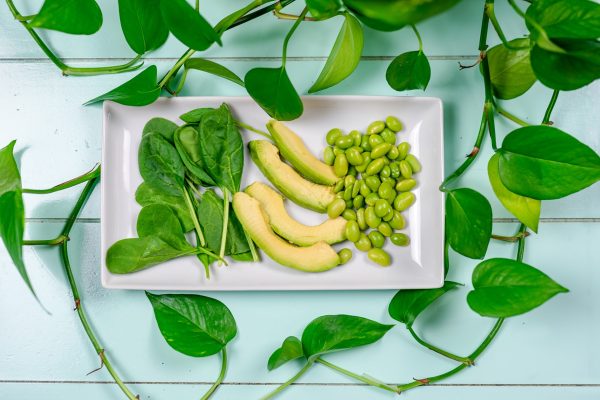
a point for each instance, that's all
(138, 91)
(406, 305)
(510, 70)
(213, 68)
(142, 24)
(272, 89)
(344, 56)
(291, 349)
(573, 19)
(323, 9)
(409, 71)
(187, 25)
(78, 17)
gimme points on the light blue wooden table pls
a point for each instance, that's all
(551, 353)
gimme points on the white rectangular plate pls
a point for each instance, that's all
(419, 265)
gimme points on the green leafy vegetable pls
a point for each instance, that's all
(213, 68)
(272, 89)
(147, 194)
(504, 288)
(406, 305)
(79, 17)
(575, 19)
(510, 70)
(468, 222)
(138, 91)
(543, 163)
(323, 9)
(142, 24)
(195, 116)
(344, 56)
(291, 349)
(160, 125)
(409, 71)
(187, 142)
(187, 25)
(160, 165)
(160, 221)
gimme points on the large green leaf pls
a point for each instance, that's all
(344, 56)
(187, 25)
(78, 17)
(138, 91)
(159, 220)
(272, 89)
(340, 332)
(291, 349)
(510, 70)
(468, 222)
(390, 15)
(323, 9)
(574, 19)
(147, 194)
(409, 71)
(543, 162)
(142, 24)
(213, 68)
(197, 326)
(407, 304)
(160, 165)
(505, 287)
(526, 209)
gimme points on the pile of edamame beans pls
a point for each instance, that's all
(376, 179)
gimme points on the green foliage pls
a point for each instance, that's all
(291, 349)
(213, 68)
(138, 91)
(409, 71)
(147, 194)
(510, 69)
(272, 89)
(160, 165)
(468, 222)
(187, 142)
(79, 17)
(160, 221)
(323, 9)
(567, 19)
(195, 116)
(187, 25)
(142, 24)
(407, 304)
(160, 125)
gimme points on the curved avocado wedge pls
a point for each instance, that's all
(294, 187)
(294, 150)
(330, 231)
(316, 258)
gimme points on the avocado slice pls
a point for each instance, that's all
(294, 150)
(305, 193)
(330, 231)
(316, 258)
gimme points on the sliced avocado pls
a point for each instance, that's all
(330, 231)
(316, 258)
(307, 194)
(294, 150)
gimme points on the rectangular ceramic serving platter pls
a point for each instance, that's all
(420, 265)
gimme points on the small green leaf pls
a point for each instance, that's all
(468, 222)
(159, 220)
(160, 125)
(573, 19)
(187, 142)
(504, 288)
(340, 332)
(510, 70)
(78, 17)
(526, 209)
(272, 89)
(138, 91)
(323, 9)
(544, 163)
(194, 325)
(195, 116)
(409, 71)
(187, 25)
(406, 305)
(160, 165)
(142, 24)
(213, 68)
(344, 56)
(291, 349)
(147, 194)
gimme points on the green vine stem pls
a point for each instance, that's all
(94, 173)
(465, 360)
(253, 129)
(416, 31)
(546, 120)
(219, 380)
(510, 239)
(489, 8)
(46, 242)
(510, 116)
(289, 35)
(362, 378)
(287, 383)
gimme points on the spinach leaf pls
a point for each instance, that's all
(574, 19)
(194, 116)
(147, 194)
(526, 209)
(468, 222)
(138, 91)
(187, 25)
(409, 71)
(160, 221)
(291, 349)
(323, 9)
(340, 332)
(160, 164)
(504, 288)
(344, 56)
(142, 24)
(510, 70)
(194, 325)
(272, 89)
(406, 305)
(543, 163)
(160, 125)
(78, 17)
(213, 68)
(187, 142)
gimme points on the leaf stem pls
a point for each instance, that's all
(489, 9)
(46, 242)
(546, 120)
(95, 172)
(252, 129)
(362, 378)
(414, 28)
(219, 380)
(290, 17)
(252, 247)
(192, 211)
(289, 35)
(465, 360)
(511, 239)
(510, 116)
(225, 222)
(287, 383)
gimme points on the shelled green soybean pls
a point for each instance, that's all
(376, 179)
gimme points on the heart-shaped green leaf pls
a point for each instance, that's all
(468, 222)
(574, 19)
(526, 209)
(197, 326)
(504, 288)
(510, 70)
(272, 89)
(323, 9)
(543, 162)
(78, 17)
(291, 349)
(160, 221)
(213, 68)
(142, 24)
(138, 91)
(160, 165)
(187, 25)
(340, 332)
(344, 56)
(409, 71)
(147, 194)
(407, 304)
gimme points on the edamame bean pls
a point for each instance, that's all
(336, 208)
(388, 179)
(374, 140)
(340, 166)
(386, 190)
(371, 219)
(403, 149)
(348, 203)
(355, 189)
(376, 238)
(380, 257)
(375, 127)
(371, 199)
(389, 216)
(344, 142)
(385, 172)
(404, 200)
(397, 221)
(364, 143)
(405, 185)
(354, 157)
(339, 195)
(345, 256)
(348, 193)
(375, 166)
(405, 169)
(364, 189)
(358, 201)
(393, 123)
(352, 231)
(400, 239)
(388, 136)
(349, 214)
(352, 171)
(372, 182)
(380, 150)
(356, 137)
(414, 163)
(366, 161)
(333, 135)
(385, 229)
(360, 218)
(337, 151)
(382, 207)
(393, 153)
(328, 156)
(339, 186)
(363, 244)
(395, 169)
(349, 181)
